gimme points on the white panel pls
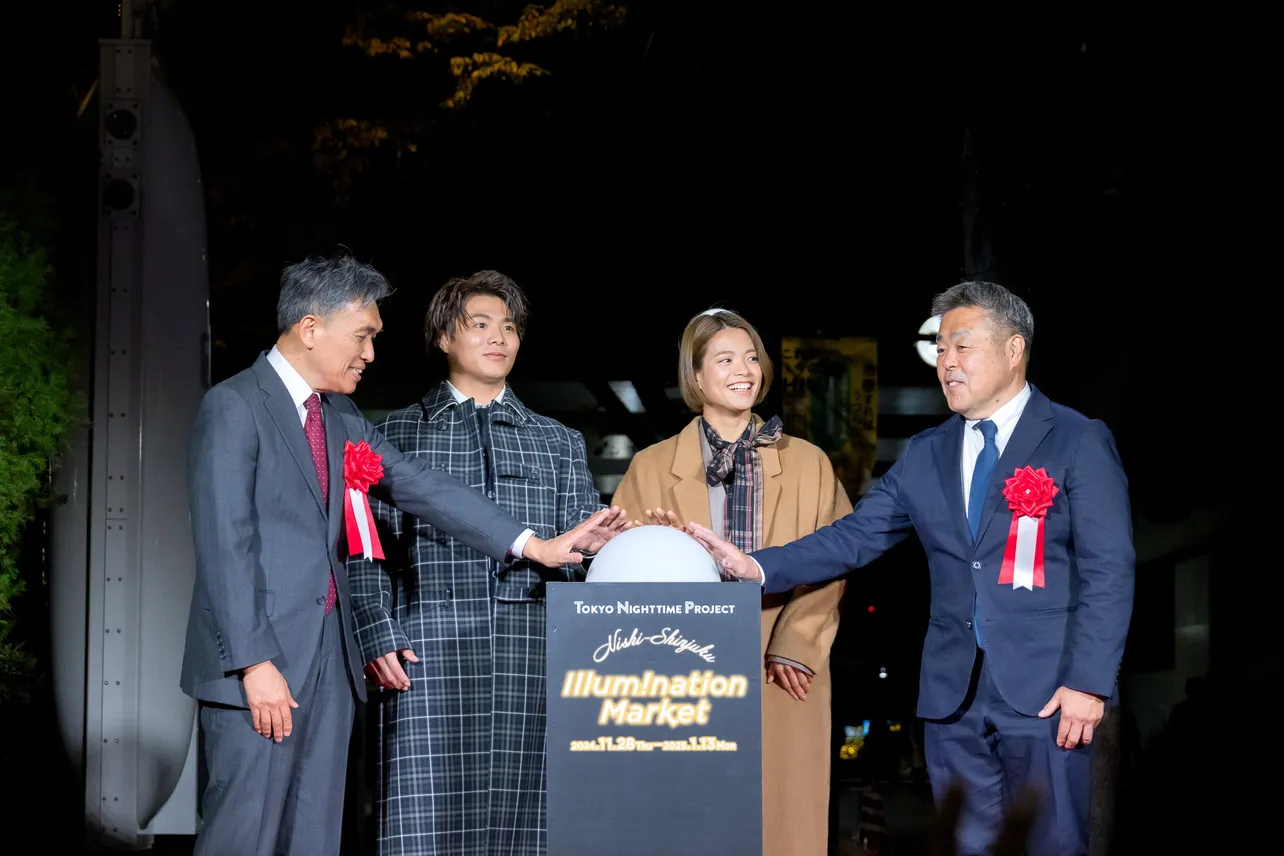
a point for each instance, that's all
(118, 720)
(152, 312)
(172, 320)
(121, 332)
(122, 461)
(110, 607)
(120, 361)
(94, 737)
(117, 493)
(126, 66)
(178, 815)
(68, 585)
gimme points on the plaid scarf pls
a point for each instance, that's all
(738, 468)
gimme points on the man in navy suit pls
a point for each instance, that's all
(1022, 507)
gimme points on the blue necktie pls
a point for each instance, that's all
(981, 475)
(976, 497)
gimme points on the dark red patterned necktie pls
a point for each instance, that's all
(314, 428)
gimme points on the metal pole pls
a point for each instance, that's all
(133, 16)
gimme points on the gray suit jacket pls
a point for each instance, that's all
(265, 544)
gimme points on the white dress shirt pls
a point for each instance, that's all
(1005, 420)
(300, 391)
(298, 388)
(461, 398)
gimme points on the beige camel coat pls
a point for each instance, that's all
(800, 495)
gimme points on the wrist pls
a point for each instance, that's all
(1088, 693)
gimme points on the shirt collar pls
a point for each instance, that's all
(1006, 416)
(460, 398)
(295, 385)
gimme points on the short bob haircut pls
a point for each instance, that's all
(695, 343)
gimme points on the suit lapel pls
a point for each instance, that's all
(334, 442)
(690, 494)
(286, 415)
(1031, 428)
(949, 454)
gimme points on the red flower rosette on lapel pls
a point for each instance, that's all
(1029, 494)
(362, 467)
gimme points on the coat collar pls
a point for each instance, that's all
(440, 400)
(691, 493)
(285, 413)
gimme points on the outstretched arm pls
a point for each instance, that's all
(465, 514)
(879, 522)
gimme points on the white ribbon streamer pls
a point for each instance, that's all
(1023, 563)
(361, 512)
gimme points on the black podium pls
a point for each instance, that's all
(654, 719)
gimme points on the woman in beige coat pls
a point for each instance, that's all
(759, 487)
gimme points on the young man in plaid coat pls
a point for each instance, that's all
(456, 640)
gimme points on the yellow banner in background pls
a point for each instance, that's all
(831, 399)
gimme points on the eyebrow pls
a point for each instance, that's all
(486, 317)
(955, 335)
(728, 351)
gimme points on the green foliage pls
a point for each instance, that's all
(37, 407)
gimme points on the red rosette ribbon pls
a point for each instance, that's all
(362, 467)
(1029, 494)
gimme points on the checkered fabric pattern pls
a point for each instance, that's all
(738, 466)
(461, 754)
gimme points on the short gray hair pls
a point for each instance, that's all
(1007, 312)
(320, 286)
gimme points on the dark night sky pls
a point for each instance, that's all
(802, 167)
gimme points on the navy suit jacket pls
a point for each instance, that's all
(1070, 632)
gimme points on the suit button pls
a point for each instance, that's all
(222, 656)
(976, 566)
(321, 601)
(969, 625)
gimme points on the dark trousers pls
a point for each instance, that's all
(993, 752)
(265, 798)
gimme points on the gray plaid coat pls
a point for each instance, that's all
(461, 754)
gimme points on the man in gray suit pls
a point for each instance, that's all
(271, 653)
